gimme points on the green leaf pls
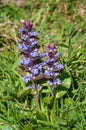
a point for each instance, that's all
(67, 82)
(41, 116)
(47, 123)
(7, 128)
(13, 127)
(68, 102)
(23, 92)
(44, 128)
(47, 100)
(46, 91)
(60, 94)
(72, 115)
(27, 127)
(62, 121)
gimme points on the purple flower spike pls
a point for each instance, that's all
(31, 58)
(32, 62)
(53, 67)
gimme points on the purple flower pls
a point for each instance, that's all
(50, 62)
(34, 71)
(58, 55)
(59, 67)
(26, 78)
(42, 55)
(20, 41)
(57, 82)
(48, 74)
(25, 61)
(43, 63)
(33, 34)
(25, 48)
(24, 37)
(22, 31)
(29, 87)
(34, 54)
(53, 67)
(50, 83)
(34, 43)
(40, 68)
(56, 74)
(50, 69)
(54, 83)
(38, 87)
(19, 46)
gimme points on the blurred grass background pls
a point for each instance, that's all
(64, 23)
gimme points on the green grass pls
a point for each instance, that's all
(62, 23)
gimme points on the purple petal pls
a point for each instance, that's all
(50, 68)
(50, 83)
(58, 55)
(42, 55)
(26, 78)
(19, 46)
(34, 43)
(38, 87)
(57, 82)
(29, 87)
(47, 73)
(24, 61)
(34, 54)
(22, 31)
(43, 64)
(33, 34)
(59, 66)
(34, 71)
(56, 74)
(20, 41)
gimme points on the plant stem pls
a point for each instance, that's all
(35, 95)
